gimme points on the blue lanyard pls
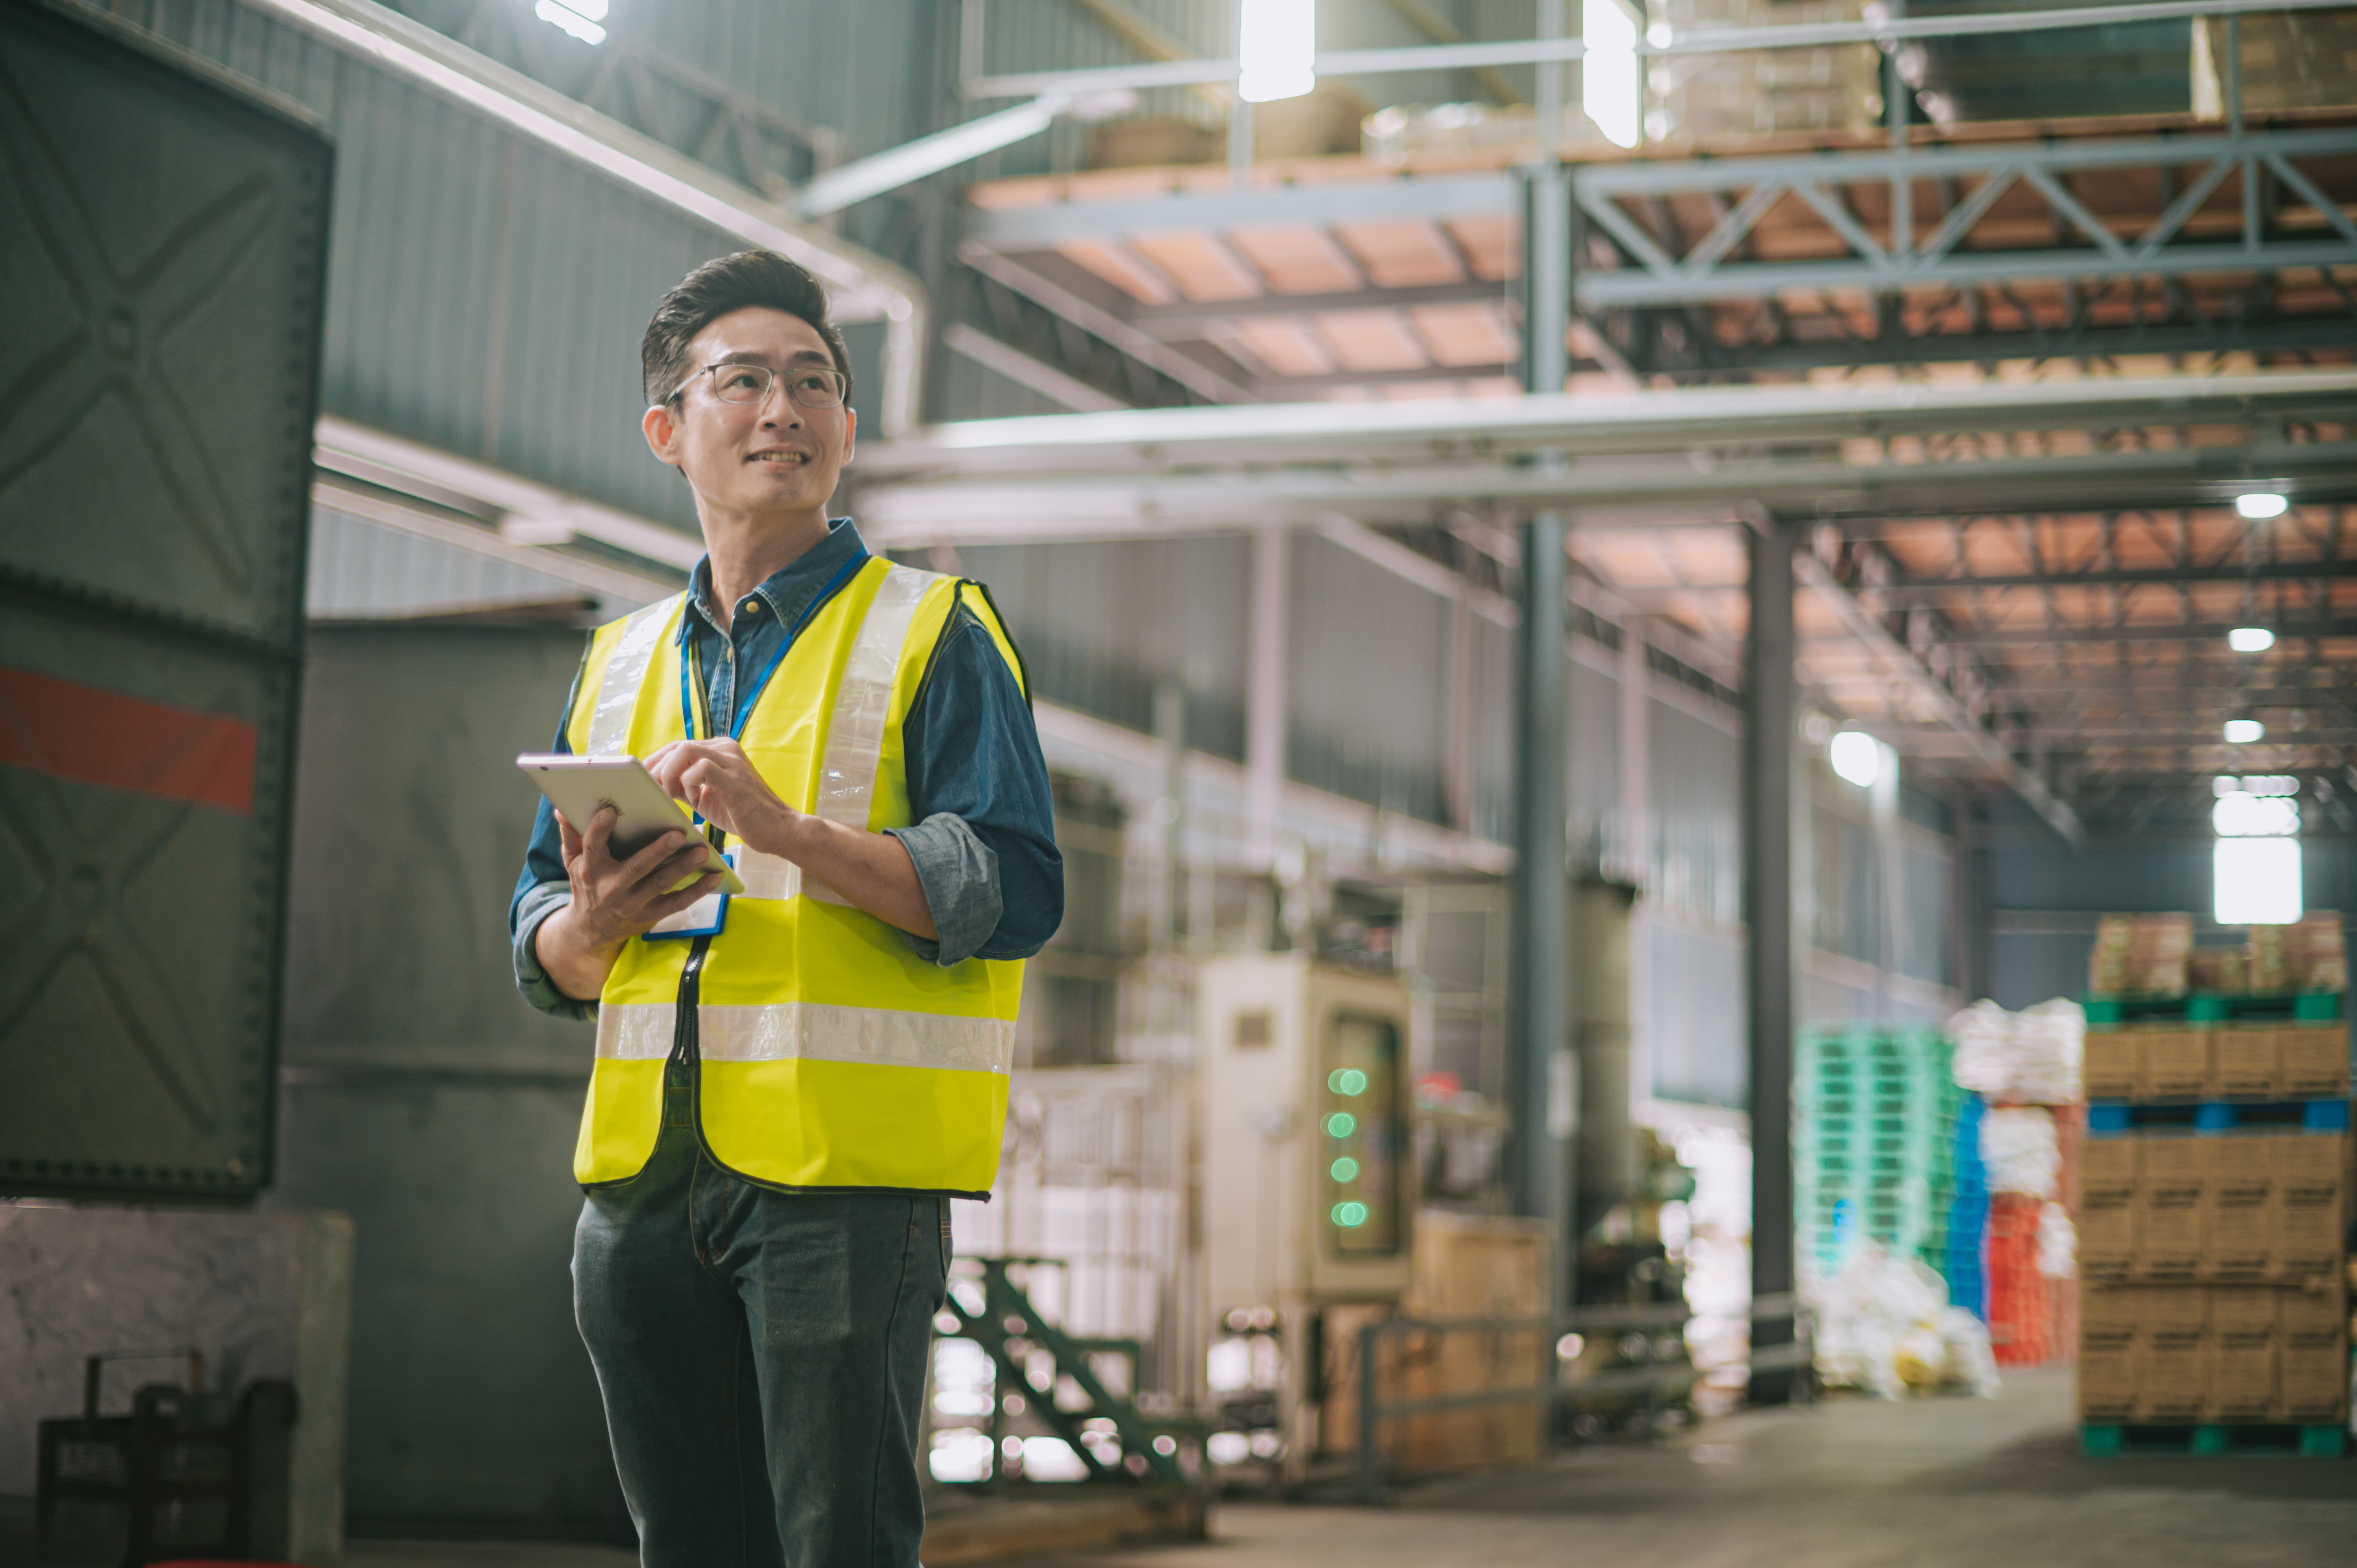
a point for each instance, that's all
(691, 691)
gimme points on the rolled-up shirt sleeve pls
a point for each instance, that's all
(984, 844)
(531, 910)
(542, 889)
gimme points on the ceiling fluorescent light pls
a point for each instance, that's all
(579, 18)
(1277, 42)
(2250, 639)
(2242, 732)
(1609, 82)
(1857, 757)
(2260, 505)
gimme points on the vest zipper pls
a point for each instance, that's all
(684, 1045)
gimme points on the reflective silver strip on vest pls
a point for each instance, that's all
(625, 672)
(854, 735)
(810, 1031)
(766, 875)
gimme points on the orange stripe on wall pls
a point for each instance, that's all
(86, 732)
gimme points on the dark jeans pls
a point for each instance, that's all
(762, 1359)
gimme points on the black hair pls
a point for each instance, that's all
(747, 279)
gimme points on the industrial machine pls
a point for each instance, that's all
(1307, 1191)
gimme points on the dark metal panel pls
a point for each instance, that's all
(161, 241)
(425, 1098)
(485, 295)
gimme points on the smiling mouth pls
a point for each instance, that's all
(779, 455)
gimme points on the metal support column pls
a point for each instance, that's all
(1543, 1087)
(1768, 802)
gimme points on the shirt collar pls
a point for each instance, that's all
(790, 590)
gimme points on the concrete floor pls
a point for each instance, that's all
(1849, 1484)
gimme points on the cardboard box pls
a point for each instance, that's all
(2173, 1335)
(2312, 1350)
(2113, 1064)
(2309, 1206)
(2238, 1186)
(2170, 1208)
(2175, 1064)
(2307, 1165)
(2243, 1063)
(1468, 1265)
(2107, 1237)
(2107, 1167)
(2307, 1240)
(2108, 1321)
(2240, 1384)
(2107, 1207)
(2312, 1061)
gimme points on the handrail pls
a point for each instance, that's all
(1372, 1411)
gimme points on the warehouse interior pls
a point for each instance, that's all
(1690, 656)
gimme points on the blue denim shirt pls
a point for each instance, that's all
(984, 844)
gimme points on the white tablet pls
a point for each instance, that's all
(579, 786)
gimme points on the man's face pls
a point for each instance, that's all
(774, 456)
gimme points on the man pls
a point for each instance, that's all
(791, 1083)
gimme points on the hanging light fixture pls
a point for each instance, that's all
(1276, 43)
(1857, 757)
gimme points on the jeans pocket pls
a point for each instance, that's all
(948, 1243)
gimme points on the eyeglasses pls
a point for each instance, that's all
(810, 387)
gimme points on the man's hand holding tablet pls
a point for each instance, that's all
(634, 860)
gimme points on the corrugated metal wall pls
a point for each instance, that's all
(1366, 681)
(1694, 805)
(1101, 624)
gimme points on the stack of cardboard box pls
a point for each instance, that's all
(2215, 1276)
(1712, 96)
(2141, 955)
(2296, 60)
(1463, 1267)
(2305, 956)
(2217, 1060)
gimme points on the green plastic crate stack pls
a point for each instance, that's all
(1873, 1135)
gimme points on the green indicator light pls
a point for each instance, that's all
(1349, 1216)
(1341, 1125)
(1353, 1082)
(1346, 1169)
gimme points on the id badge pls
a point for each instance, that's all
(704, 917)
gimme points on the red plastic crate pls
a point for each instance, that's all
(2020, 1299)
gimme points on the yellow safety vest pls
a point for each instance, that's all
(832, 1054)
